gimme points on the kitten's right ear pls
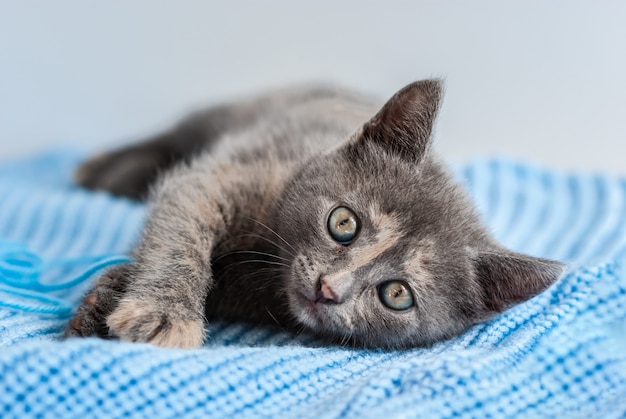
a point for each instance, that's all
(404, 124)
(509, 278)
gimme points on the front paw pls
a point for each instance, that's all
(90, 318)
(141, 321)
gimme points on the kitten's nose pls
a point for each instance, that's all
(326, 292)
(334, 288)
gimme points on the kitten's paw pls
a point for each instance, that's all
(90, 318)
(138, 321)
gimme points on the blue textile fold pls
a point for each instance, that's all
(563, 353)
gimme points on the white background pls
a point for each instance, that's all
(540, 80)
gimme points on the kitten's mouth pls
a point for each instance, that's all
(309, 303)
(311, 306)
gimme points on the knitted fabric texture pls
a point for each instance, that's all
(563, 353)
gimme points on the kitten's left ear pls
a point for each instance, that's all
(509, 278)
(405, 123)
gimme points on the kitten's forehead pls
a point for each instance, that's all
(385, 235)
(383, 221)
(419, 257)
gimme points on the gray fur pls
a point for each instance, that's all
(238, 227)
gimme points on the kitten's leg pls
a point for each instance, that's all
(167, 284)
(131, 170)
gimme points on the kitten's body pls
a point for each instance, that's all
(241, 232)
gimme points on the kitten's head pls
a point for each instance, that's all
(386, 249)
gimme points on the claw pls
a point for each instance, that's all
(91, 299)
(75, 323)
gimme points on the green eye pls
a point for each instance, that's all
(395, 295)
(343, 225)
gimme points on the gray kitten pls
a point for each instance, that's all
(310, 209)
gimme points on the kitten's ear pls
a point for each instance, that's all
(405, 123)
(509, 278)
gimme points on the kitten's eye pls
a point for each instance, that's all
(396, 295)
(343, 225)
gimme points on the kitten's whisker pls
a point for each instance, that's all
(275, 233)
(275, 319)
(278, 246)
(238, 252)
(352, 346)
(232, 238)
(264, 254)
(272, 242)
(300, 330)
(263, 279)
(265, 276)
(267, 283)
(256, 261)
(274, 270)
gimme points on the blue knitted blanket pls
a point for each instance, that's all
(563, 353)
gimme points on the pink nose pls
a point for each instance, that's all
(333, 288)
(327, 292)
